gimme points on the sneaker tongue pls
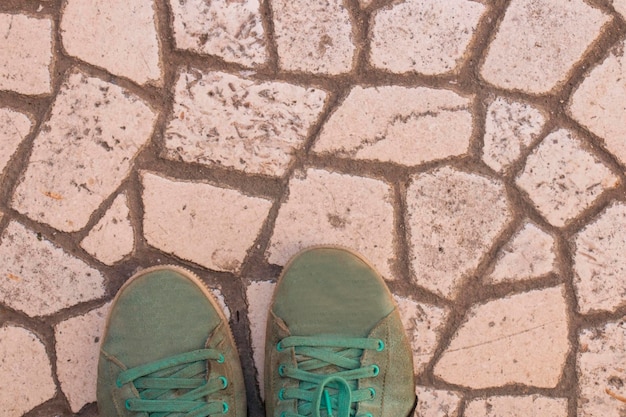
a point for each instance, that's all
(332, 293)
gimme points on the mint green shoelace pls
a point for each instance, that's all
(322, 393)
(177, 384)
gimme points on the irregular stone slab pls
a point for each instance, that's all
(26, 48)
(452, 217)
(202, 223)
(259, 295)
(77, 349)
(220, 119)
(529, 254)
(408, 126)
(112, 238)
(423, 324)
(117, 35)
(598, 103)
(25, 371)
(562, 178)
(14, 126)
(83, 152)
(497, 344)
(600, 369)
(436, 403)
(599, 262)
(538, 43)
(517, 406)
(510, 128)
(232, 30)
(425, 36)
(329, 208)
(322, 43)
(39, 278)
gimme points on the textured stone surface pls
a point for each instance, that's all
(599, 103)
(331, 208)
(220, 119)
(205, 224)
(510, 127)
(313, 35)
(425, 36)
(26, 54)
(436, 403)
(600, 370)
(77, 349)
(453, 217)
(538, 42)
(403, 125)
(83, 152)
(423, 324)
(259, 296)
(38, 278)
(14, 126)
(562, 178)
(599, 262)
(117, 35)
(529, 254)
(497, 343)
(112, 238)
(231, 30)
(25, 371)
(522, 406)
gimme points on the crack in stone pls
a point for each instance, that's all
(503, 337)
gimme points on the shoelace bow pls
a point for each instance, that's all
(177, 384)
(334, 394)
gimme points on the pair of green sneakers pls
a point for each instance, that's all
(335, 346)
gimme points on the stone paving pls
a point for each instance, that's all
(474, 151)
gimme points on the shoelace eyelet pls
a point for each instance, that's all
(381, 345)
(283, 414)
(373, 391)
(224, 381)
(224, 408)
(368, 415)
(221, 359)
(279, 347)
(376, 370)
(118, 383)
(127, 405)
(281, 370)
(281, 394)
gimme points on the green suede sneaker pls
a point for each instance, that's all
(167, 350)
(335, 343)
